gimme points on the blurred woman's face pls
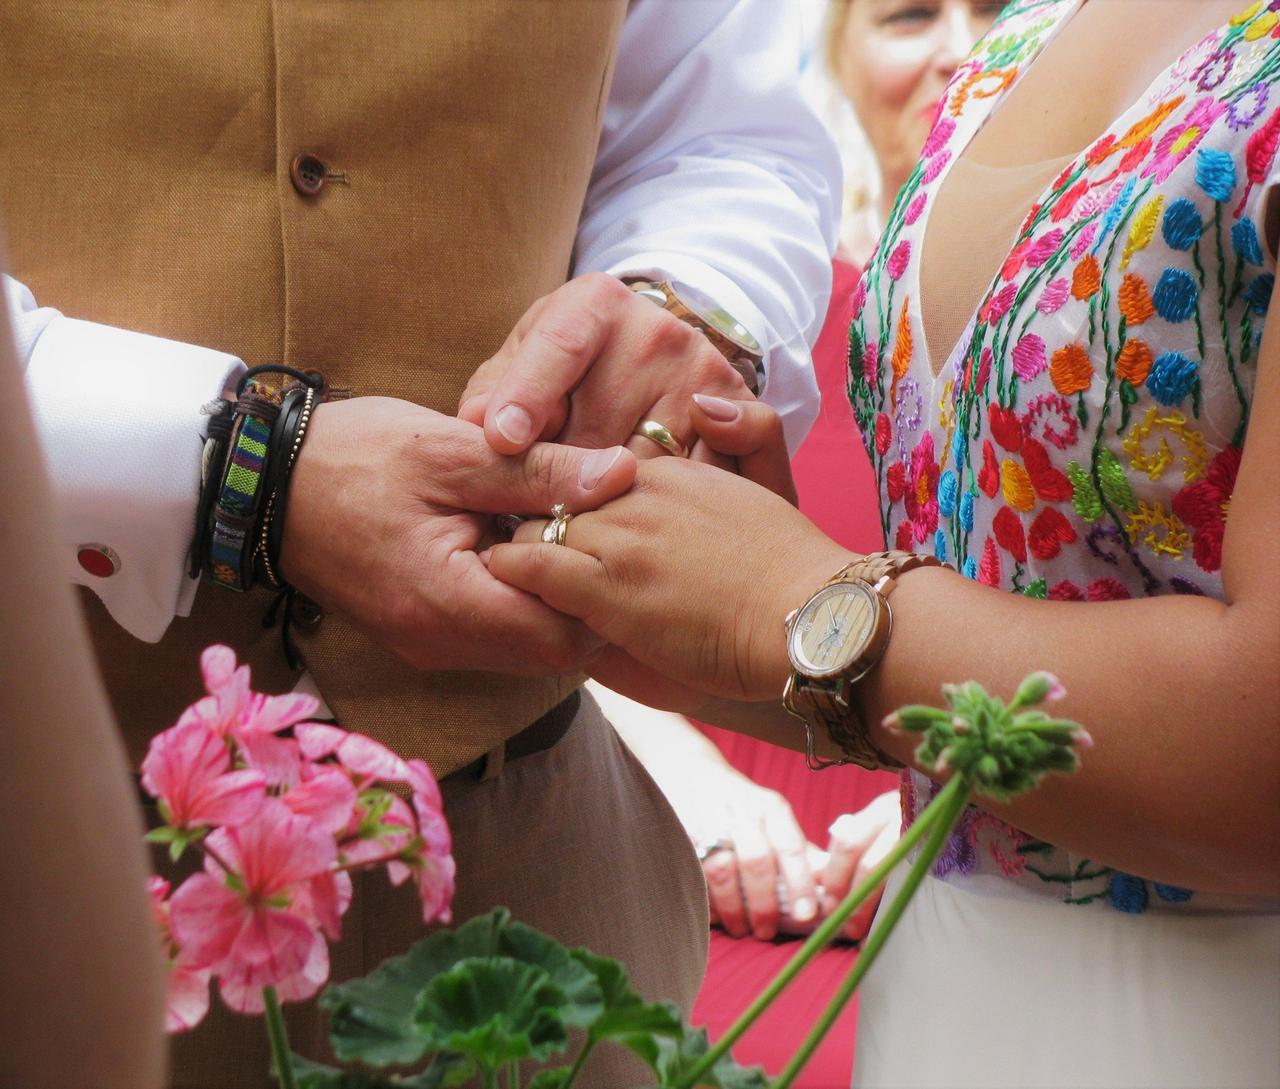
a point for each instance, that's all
(894, 60)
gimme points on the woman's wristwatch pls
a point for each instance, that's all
(833, 640)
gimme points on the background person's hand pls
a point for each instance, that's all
(859, 842)
(381, 528)
(589, 362)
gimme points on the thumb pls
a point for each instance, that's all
(477, 479)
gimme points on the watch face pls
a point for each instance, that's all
(833, 628)
(718, 318)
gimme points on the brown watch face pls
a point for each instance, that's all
(833, 629)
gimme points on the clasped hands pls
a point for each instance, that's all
(391, 503)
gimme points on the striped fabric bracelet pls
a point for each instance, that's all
(232, 541)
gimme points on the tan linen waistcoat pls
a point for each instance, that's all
(145, 153)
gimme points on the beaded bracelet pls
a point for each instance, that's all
(286, 441)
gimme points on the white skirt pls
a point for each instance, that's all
(986, 992)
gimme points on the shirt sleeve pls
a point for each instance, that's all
(119, 417)
(713, 169)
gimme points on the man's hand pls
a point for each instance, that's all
(380, 529)
(586, 364)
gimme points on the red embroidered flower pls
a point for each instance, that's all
(1049, 532)
(1010, 534)
(884, 434)
(989, 567)
(895, 481)
(1203, 506)
(1006, 428)
(1108, 589)
(1065, 591)
(922, 491)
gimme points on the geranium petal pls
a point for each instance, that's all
(277, 758)
(274, 713)
(186, 998)
(229, 799)
(206, 918)
(328, 798)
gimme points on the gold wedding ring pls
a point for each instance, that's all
(555, 531)
(660, 434)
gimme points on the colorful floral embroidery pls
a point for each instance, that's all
(1085, 441)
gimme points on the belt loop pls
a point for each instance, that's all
(494, 760)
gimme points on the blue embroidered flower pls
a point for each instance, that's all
(966, 511)
(1181, 225)
(970, 569)
(1172, 377)
(1176, 295)
(958, 443)
(1171, 894)
(1127, 893)
(1114, 213)
(940, 545)
(1258, 293)
(948, 488)
(1215, 173)
(1244, 240)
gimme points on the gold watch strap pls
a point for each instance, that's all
(875, 566)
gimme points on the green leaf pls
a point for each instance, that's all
(494, 1010)
(372, 1019)
(443, 1073)
(678, 1056)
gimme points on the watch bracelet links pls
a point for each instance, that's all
(843, 719)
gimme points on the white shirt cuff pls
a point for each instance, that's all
(120, 421)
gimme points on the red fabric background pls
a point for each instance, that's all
(838, 491)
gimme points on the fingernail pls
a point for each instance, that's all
(718, 408)
(514, 424)
(804, 909)
(596, 464)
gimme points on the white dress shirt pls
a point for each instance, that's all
(711, 171)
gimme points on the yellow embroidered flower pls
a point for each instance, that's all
(947, 420)
(1242, 17)
(1016, 485)
(1260, 28)
(1156, 461)
(1145, 222)
(1159, 530)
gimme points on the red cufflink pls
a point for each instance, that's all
(99, 560)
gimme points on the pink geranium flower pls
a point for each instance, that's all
(187, 988)
(188, 769)
(232, 709)
(257, 924)
(369, 759)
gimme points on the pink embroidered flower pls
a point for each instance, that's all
(186, 988)
(1084, 240)
(1029, 358)
(936, 166)
(898, 259)
(884, 433)
(259, 925)
(1067, 202)
(1055, 294)
(1000, 304)
(942, 132)
(921, 494)
(871, 362)
(1204, 505)
(1183, 138)
(859, 298)
(231, 709)
(1014, 262)
(915, 208)
(1045, 247)
(188, 769)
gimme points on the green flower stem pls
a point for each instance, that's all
(280, 1057)
(942, 828)
(581, 1059)
(830, 927)
(513, 1074)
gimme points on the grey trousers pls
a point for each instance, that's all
(577, 841)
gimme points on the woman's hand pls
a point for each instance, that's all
(747, 434)
(690, 575)
(859, 842)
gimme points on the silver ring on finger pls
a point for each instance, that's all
(704, 851)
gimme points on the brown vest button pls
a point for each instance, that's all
(99, 560)
(307, 172)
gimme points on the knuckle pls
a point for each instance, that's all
(565, 336)
(757, 866)
(663, 335)
(542, 468)
(602, 289)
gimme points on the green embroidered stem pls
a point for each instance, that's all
(820, 938)
(951, 803)
(280, 1059)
